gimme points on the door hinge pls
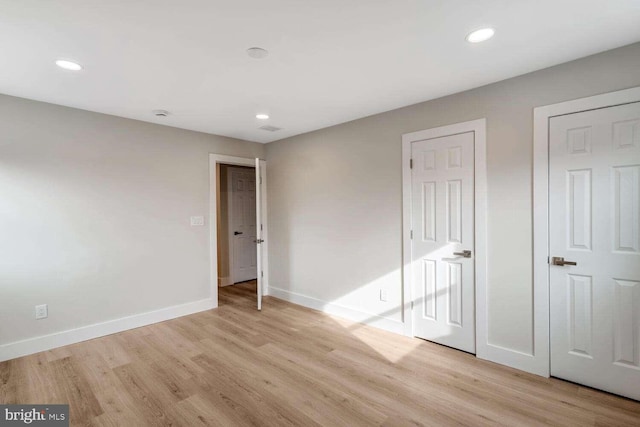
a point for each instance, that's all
(411, 234)
(260, 227)
(411, 305)
(410, 163)
(260, 180)
(262, 274)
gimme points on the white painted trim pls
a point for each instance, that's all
(541, 118)
(258, 188)
(339, 310)
(407, 294)
(265, 230)
(213, 215)
(480, 140)
(72, 336)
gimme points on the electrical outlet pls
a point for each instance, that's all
(197, 221)
(383, 295)
(42, 312)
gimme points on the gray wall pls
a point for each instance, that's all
(335, 194)
(94, 216)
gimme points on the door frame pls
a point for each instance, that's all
(541, 295)
(479, 127)
(214, 160)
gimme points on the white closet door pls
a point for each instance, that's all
(260, 193)
(443, 240)
(594, 227)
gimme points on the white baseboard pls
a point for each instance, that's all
(72, 336)
(339, 310)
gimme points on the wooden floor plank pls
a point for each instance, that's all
(292, 366)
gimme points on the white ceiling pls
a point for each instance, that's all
(330, 61)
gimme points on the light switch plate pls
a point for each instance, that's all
(197, 221)
(383, 295)
(42, 312)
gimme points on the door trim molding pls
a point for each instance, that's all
(541, 363)
(480, 201)
(215, 159)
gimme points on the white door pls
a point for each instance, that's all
(442, 218)
(594, 225)
(260, 218)
(242, 215)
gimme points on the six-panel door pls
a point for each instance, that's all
(243, 219)
(594, 221)
(443, 228)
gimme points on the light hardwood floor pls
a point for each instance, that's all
(289, 365)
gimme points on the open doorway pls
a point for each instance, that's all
(236, 225)
(238, 228)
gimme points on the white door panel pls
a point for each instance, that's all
(242, 212)
(594, 221)
(443, 226)
(260, 220)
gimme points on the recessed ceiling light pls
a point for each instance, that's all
(480, 35)
(68, 65)
(257, 52)
(262, 116)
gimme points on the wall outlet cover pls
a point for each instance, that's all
(197, 221)
(42, 312)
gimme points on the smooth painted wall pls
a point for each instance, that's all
(335, 195)
(94, 216)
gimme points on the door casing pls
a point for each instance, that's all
(478, 127)
(540, 362)
(215, 159)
